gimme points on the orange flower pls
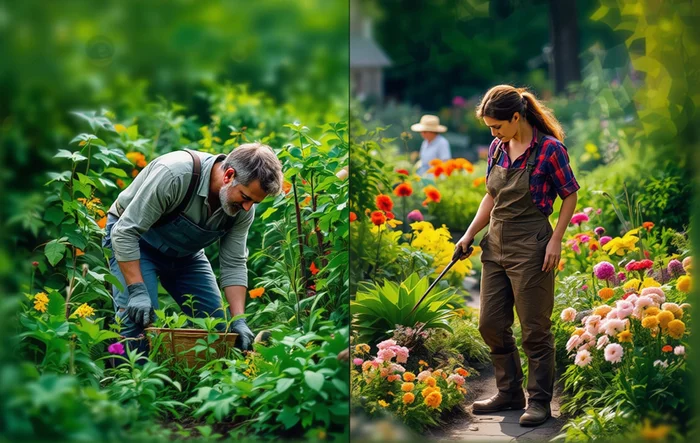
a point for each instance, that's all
(286, 187)
(606, 293)
(478, 181)
(120, 183)
(562, 263)
(408, 398)
(403, 172)
(432, 194)
(437, 171)
(141, 163)
(407, 387)
(409, 376)
(463, 372)
(314, 270)
(450, 166)
(403, 190)
(593, 244)
(392, 378)
(102, 222)
(435, 162)
(384, 203)
(667, 348)
(257, 292)
(648, 225)
(430, 381)
(378, 218)
(306, 201)
(353, 216)
(468, 166)
(134, 173)
(79, 252)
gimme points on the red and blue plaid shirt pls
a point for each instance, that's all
(552, 175)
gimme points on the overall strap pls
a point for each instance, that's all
(497, 153)
(535, 152)
(196, 173)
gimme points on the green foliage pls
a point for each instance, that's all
(377, 308)
(464, 340)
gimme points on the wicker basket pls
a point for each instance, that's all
(180, 343)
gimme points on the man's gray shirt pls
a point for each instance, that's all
(158, 189)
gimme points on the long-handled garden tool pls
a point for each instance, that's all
(455, 257)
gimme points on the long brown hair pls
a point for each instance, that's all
(502, 101)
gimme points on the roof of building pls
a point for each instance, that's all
(365, 53)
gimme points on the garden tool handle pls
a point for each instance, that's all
(430, 288)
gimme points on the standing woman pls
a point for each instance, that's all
(528, 167)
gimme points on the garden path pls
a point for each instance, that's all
(502, 426)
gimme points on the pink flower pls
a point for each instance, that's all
(613, 326)
(604, 270)
(621, 276)
(458, 101)
(675, 268)
(397, 368)
(602, 342)
(568, 314)
(587, 210)
(604, 239)
(423, 375)
(656, 294)
(576, 248)
(386, 344)
(573, 342)
(415, 216)
(599, 231)
(624, 308)
(584, 288)
(583, 357)
(357, 361)
(116, 348)
(579, 218)
(585, 238)
(613, 353)
(401, 353)
(598, 211)
(456, 379)
(385, 355)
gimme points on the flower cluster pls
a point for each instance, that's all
(438, 243)
(383, 215)
(84, 310)
(447, 168)
(41, 300)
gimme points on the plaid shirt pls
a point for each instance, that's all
(552, 175)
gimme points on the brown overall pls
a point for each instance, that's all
(513, 254)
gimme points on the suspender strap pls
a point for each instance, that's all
(196, 173)
(535, 152)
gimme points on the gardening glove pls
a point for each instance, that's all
(139, 309)
(245, 335)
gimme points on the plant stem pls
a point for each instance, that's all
(300, 236)
(376, 261)
(319, 236)
(71, 288)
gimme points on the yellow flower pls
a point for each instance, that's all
(383, 404)
(631, 285)
(409, 376)
(430, 381)
(650, 322)
(40, 301)
(664, 318)
(649, 282)
(578, 331)
(84, 311)
(621, 245)
(429, 390)
(684, 283)
(362, 348)
(422, 363)
(677, 311)
(120, 128)
(394, 223)
(421, 225)
(625, 337)
(651, 310)
(676, 329)
(606, 293)
(407, 387)
(650, 432)
(408, 398)
(433, 400)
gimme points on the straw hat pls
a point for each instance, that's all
(430, 123)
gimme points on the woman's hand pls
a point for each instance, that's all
(553, 254)
(464, 246)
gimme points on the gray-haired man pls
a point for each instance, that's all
(179, 204)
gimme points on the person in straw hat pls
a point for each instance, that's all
(434, 145)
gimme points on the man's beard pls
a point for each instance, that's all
(229, 209)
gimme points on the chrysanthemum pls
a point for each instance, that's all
(579, 218)
(650, 322)
(433, 400)
(602, 310)
(384, 203)
(684, 283)
(665, 318)
(606, 293)
(403, 190)
(409, 376)
(604, 270)
(573, 342)
(408, 398)
(613, 353)
(625, 336)
(672, 307)
(624, 308)
(602, 342)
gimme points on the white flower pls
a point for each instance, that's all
(661, 363)
(568, 314)
(679, 350)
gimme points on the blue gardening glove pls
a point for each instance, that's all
(245, 335)
(139, 309)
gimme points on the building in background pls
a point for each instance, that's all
(367, 59)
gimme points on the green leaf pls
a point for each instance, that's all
(116, 171)
(54, 251)
(57, 304)
(55, 215)
(268, 213)
(314, 380)
(289, 417)
(283, 384)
